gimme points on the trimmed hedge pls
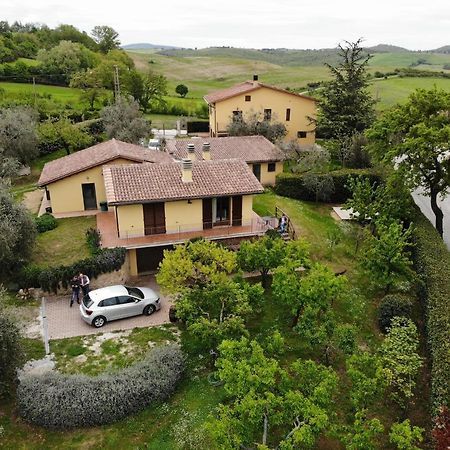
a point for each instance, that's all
(432, 261)
(50, 279)
(60, 401)
(291, 185)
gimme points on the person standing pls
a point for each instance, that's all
(84, 283)
(75, 284)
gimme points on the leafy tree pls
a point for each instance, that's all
(196, 263)
(124, 121)
(386, 258)
(268, 253)
(322, 186)
(10, 349)
(154, 88)
(405, 437)
(218, 311)
(54, 135)
(17, 233)
(92, 85)
(18, 137)
(383, 203)
(364, 434)
(415, 136)
(367, 379)
(264, 396)
(254, 124)
(399, 359)
(182, 90)
(65, 59)
(106, 38)
(9, 166)
(316, 160)
(346, 107)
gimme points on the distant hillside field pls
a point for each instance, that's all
(207, 70)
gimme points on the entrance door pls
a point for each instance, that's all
(89, 197)
(257, 171)
(207, 213)
(237, 211)
(154, 218)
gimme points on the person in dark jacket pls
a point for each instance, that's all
(75, 284)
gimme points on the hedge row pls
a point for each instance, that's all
(50, 279)
(61, 401)
(432, 261)
(291, 185)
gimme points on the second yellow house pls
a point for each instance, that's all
(295, 111)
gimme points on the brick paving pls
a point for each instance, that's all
(64, 321)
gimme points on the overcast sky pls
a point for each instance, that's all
(414, 24)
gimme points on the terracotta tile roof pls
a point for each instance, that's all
(98, 155)
(247, 148)
(244, 88)
(144, 183)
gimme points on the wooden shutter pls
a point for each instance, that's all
(207, 213)
(237, 211)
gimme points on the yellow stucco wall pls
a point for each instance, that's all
(131, 220)
(247, 209)
(132, 261)
(66, 195)
(180, 216)
(265, 98)
(183, 216)
(269, 178)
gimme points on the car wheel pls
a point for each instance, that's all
(149, 309)
(99, 321)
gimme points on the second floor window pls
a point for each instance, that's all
(288, 114)
(248, 98)
(267, 114)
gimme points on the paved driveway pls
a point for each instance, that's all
(64, 321)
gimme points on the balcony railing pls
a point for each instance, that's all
(290, 227)
(161, 235)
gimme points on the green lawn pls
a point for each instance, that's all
(65, 244)
(63, 94)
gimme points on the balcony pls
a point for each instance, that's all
(106, 224)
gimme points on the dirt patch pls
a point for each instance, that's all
(32, 200)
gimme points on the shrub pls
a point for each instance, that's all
(93, 239)
(52, 278)
(391, 306)
(294, 186)
(10, 353)
(432, 261)
(60, 401)
(46, 222)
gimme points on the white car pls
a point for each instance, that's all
(117, 302)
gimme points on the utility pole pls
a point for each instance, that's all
(116, 83)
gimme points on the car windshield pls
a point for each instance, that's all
(135, 292)
(87, 301)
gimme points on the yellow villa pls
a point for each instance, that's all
(74, 183)
(155, 206)
(295, 111)
(264, 158)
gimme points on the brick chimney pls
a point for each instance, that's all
(186, 171)
(206, 154)
(191, 151)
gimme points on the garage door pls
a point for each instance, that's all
(149, 258)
